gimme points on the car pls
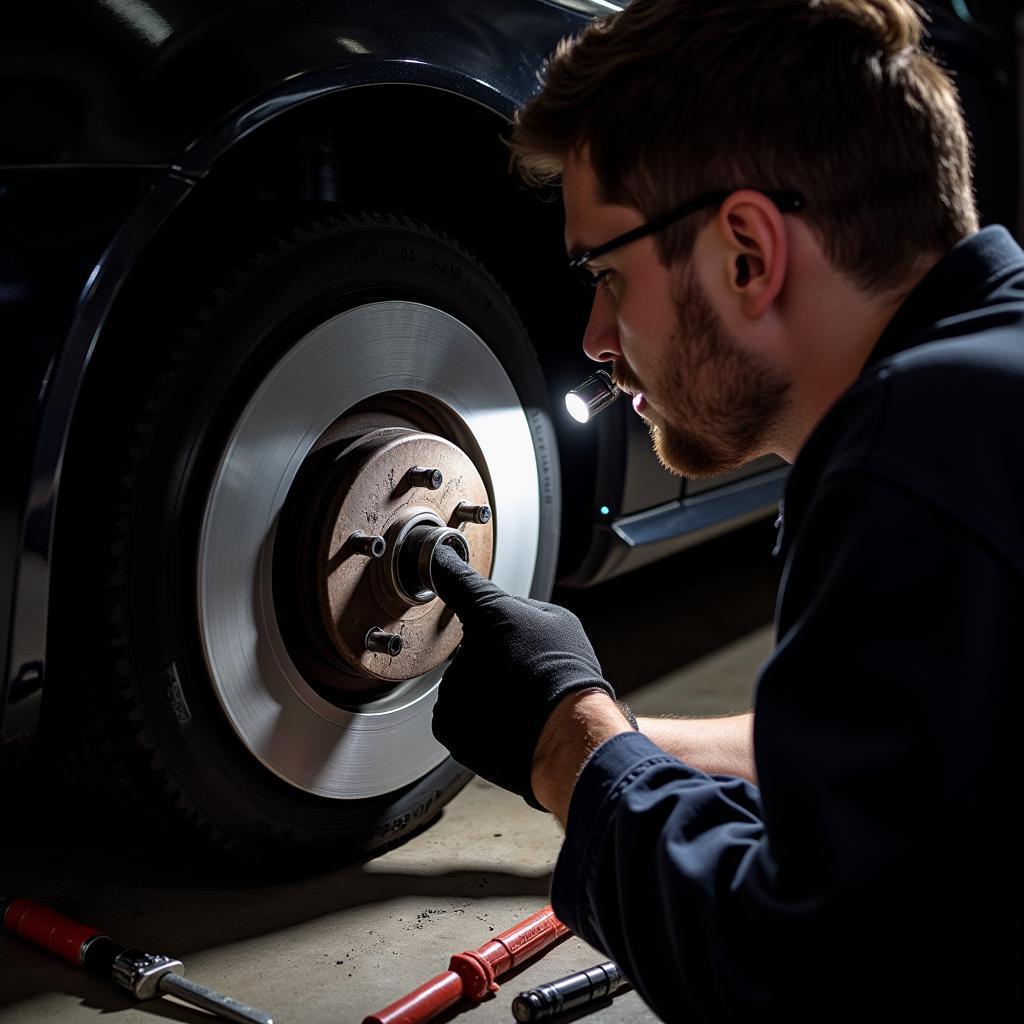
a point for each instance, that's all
(277, 320)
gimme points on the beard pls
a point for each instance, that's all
(719, 405)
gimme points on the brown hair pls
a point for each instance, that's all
(834, 98)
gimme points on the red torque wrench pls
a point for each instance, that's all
(143, 974)
(471, 975)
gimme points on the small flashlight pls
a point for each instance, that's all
(594, 395)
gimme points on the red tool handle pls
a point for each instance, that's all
(422, 1003)
(47, 928)
(520, 941)
(471, 975)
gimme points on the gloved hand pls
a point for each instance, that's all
(519, 657)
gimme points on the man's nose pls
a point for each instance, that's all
(601, 338)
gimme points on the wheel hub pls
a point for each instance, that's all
(365, 517)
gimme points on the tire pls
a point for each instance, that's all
(203, 712)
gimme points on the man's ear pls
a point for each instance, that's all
(753, 235)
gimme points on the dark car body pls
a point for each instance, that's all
(126, 124)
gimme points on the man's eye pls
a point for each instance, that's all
(591, 278)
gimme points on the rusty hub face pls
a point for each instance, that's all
(356, 491)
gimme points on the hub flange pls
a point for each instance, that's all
(363, 488)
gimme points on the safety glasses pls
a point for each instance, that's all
(787, 201)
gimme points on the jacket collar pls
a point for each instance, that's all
(955, 284)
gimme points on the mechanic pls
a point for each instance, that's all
(852, 847)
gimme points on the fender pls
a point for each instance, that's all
(165, 89)
(155, 81)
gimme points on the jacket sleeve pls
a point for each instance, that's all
(888, 811)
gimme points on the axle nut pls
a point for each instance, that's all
(415, 559)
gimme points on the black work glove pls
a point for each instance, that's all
(519, 657)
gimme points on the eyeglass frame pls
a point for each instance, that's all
(787, 200)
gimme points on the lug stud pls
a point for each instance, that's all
(367, 544)
(420, 476)
(467, 513)
(379, 642)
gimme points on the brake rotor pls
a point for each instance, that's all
(379, 504)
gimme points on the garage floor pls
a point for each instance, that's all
(684, 637)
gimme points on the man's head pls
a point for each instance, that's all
(672, 99)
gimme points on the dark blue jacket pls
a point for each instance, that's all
(878, 871)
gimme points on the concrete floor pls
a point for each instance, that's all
(684, 637)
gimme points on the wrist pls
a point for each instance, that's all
(579, 724)
(627, 712)
(717, 746)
